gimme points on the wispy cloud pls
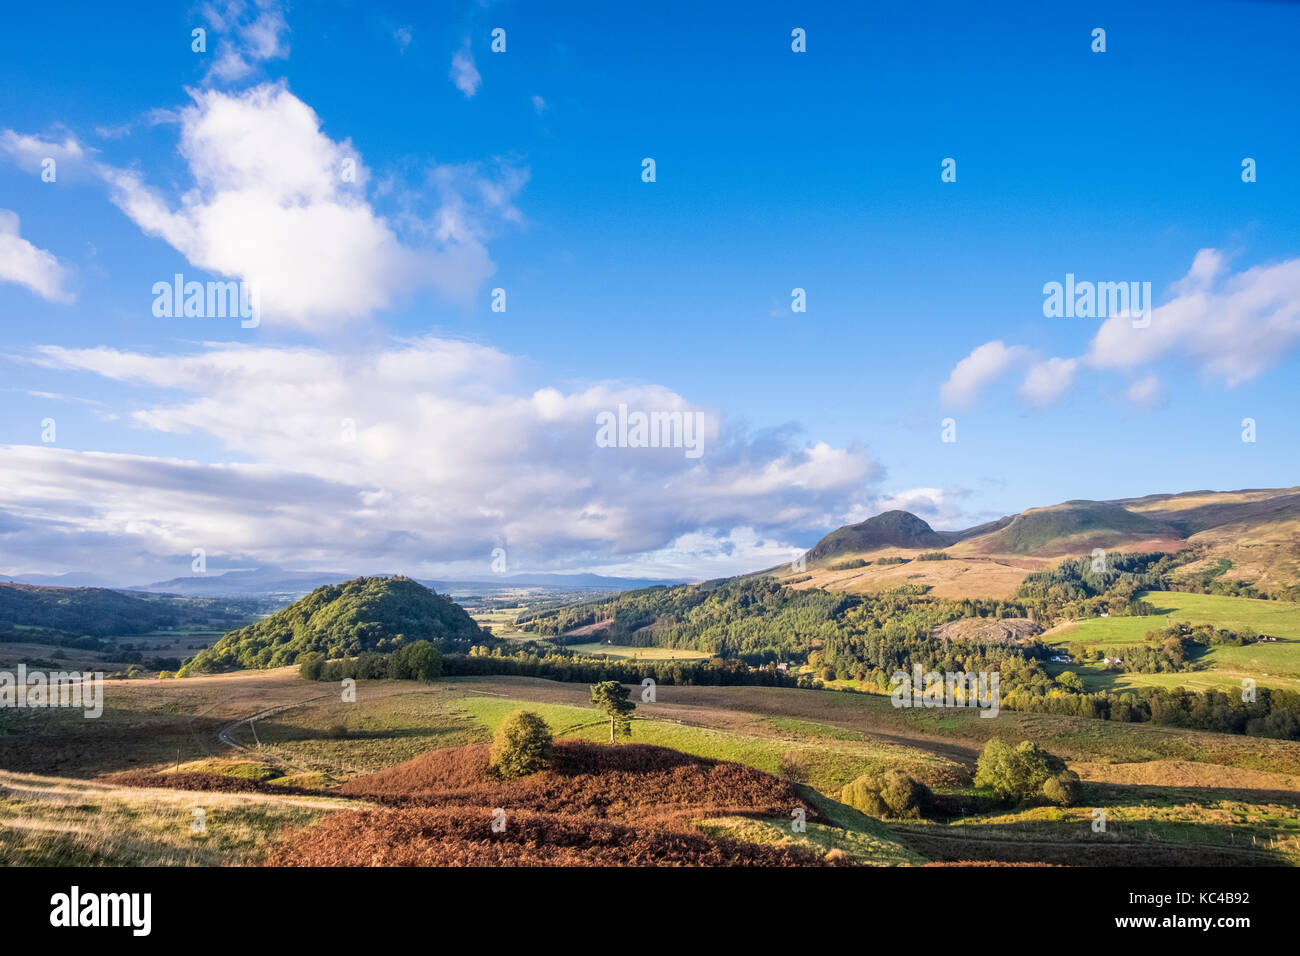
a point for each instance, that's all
(30, 266)
(463, 71)
(250, 32)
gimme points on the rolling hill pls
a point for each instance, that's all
(100, 612)
(364, 614)
(1250, 536)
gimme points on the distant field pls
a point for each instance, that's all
(601, 649)
(502, 622)
(1270, 664)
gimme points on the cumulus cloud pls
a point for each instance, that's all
(427, 452)
(1232, 327)
(463, 71)
(984, 365)
(29, 266)
(280, 205)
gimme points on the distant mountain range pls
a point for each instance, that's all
(271, 580)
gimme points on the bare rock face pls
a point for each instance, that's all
(1007, 630)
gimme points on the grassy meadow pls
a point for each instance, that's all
(1220, 668)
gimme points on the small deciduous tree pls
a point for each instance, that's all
(612, 697)
(521, 745)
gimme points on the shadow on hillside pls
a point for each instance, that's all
(1073, 843)
(1142, 794)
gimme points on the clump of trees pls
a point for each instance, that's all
(889, 794)
(418, 660)
(521, 745)
(849, 564)
(1025, 772)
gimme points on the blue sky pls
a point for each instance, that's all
(521, 170)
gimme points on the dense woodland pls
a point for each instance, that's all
(376, 614)
(75, 613)
(868, 638)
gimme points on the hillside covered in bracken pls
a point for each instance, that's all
(594, 805)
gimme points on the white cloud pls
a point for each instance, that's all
(453, 455)
(29, 266)
(984, 365)
(402, 36)
(272, 205)
(252, 32)
(1048, 380)
(1146, 392)
(539, 105)
(30, 152)
(1232, 327)
(463, 71)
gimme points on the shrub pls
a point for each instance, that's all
(1017, 773)
(1063, 789)
(793, 766)
(862, 796)
(890, 794)
(904, 795)
(310, 665)
(521, 745)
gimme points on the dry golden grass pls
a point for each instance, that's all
(47, 821)
(1187, 773)
(988, 576)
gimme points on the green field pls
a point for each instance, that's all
(1220, 668)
